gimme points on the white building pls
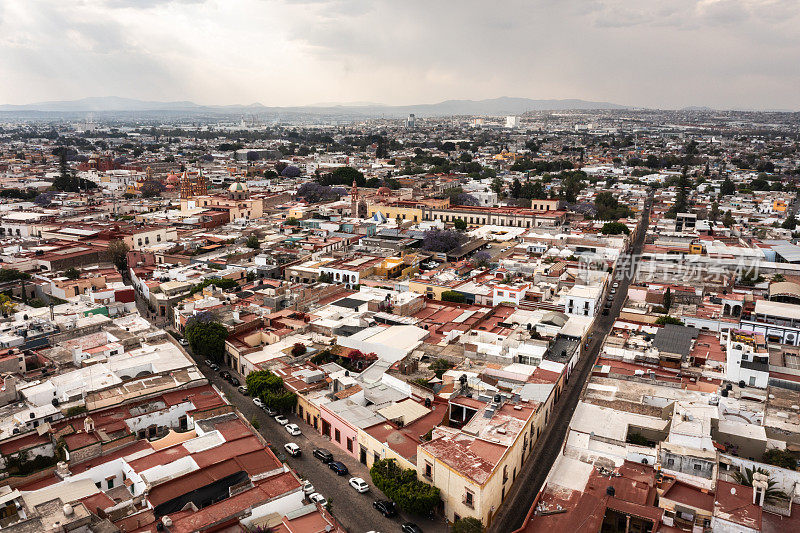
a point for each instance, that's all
(582, 300)
(747, 359)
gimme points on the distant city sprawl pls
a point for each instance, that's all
(568, 320)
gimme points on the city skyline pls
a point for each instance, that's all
(737, 54)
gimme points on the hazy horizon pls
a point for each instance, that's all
(723, 54)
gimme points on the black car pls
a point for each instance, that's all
(338, 467)
(233, 381)
(323, 455)
(225, 375)
(386, 507)
(410, 527)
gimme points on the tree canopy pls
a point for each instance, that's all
(402, 486)
(206, 337)
(441, 240)
(615, 228)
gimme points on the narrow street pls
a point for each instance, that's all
(353, 510)
(511, 514)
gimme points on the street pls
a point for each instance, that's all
(511, 514)
(353, 510)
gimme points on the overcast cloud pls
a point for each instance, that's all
(655, 53)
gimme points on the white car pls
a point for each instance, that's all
(258, 402)
(359, 484)
(316, 497)
(292, 449)
(293, 429)
(282, 420)
(308, 488)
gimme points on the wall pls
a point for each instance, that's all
(345, 430)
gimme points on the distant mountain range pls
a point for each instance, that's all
(491, 107)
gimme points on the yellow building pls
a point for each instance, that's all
(396, 211)
(474, 467)
(779, 206)
(431, 289)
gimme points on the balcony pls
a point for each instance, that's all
(469, 502)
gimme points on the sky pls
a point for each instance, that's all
(726, 54)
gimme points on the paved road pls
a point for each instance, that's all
(511, 514)
(353, 510)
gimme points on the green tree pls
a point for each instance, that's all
(440, 366)
(497, 186)
(781, 458)
(615, 228)
(459, 224)
(666, 319)
(118, 253)
(714, 214)
(467, 525)
(727, 219)
(727, 188)
(402, 486)
(72, 273)
(667, 299)
(291, 221)
(790, 222)
(207, 338)
(261, 382)
(453, 296)
(746, 478)
(516, 188)
(252, 242)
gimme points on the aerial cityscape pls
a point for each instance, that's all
(378, 302)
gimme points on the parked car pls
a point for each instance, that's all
(410, 527)
(386, 507)
(258, 402)
(359, 484)
(233, 381)
(208, 362)
(282, 420)
(214, 366)
(338, 467)
(242, 389)
(225, 375)
(316, 497)
(270, 411)
(615, 284)
(605, 311)
(292, 449)
(308, 488)
(183, 342)
(293, 429)
(613, 290)
(323, 455)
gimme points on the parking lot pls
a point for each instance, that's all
(353, 510)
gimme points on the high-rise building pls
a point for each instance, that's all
(411, 121)
(512, 121)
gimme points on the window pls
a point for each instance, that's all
(376, 456)
(337, 436)
(349, 445)
(670, 461)
(469, 499)
(428, 470)
(697, 466)
(158, 238)
(505, 473)
(110, 482)
(752, 381)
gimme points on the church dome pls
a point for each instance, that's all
(384, 191)
(238, 187)
(173, 179)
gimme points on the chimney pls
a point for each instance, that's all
(62, 470)
(760, 484)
